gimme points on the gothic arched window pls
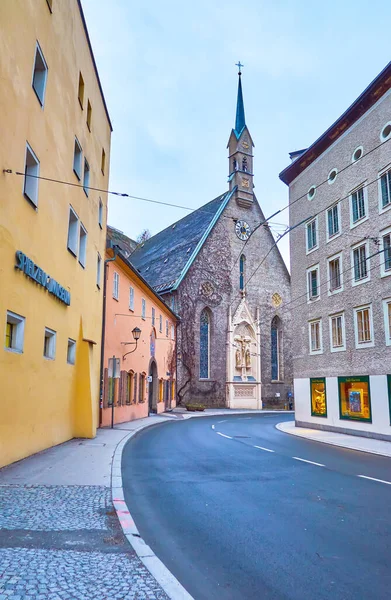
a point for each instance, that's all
(275, 348)
(234, 165)
(242, 271)
(244, 163)
(204, 344)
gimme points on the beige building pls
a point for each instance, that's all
(341, 270)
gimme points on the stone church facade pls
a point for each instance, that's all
(221, 271)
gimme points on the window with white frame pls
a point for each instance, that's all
(337, 332)
(153, 317)
(315, 334)
(166, 328)
(335, 273)
(100, 213)
(173, 332)
(143, 308)
(82, 245)
(363, 327)
(116, 285)
(385, 190)
(49, 344)
(40, 74)
(14, 332)
(360, 263)
(73, 232)
(131, 298)
(313, 283)
(71, 352)
(358, 206)
(333, 226)
(312, 234)
(98, 269)
(31, 170)
(77, 159)
(385, 252)
(387, 320)
(86, 178)
(161, 323)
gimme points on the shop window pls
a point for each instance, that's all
(318, 397)
(14, 332)
(40, 74)
(77, 159)
(71, 352)
(49, 345)
(82, 245)
(31, 170)
(354, 398)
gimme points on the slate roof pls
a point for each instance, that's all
(118, 238)
(166, 256)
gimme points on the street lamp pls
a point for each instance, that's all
(136, 332)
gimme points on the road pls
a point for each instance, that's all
(233, 513)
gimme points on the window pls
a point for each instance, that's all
(86, 180)
(129, 387)
(71, 352)
(73, 230)
(313, 283)
(103, 161)
(204, 344)
(312, 235)
(82, 245)
(89, 114)
(31, 171)
(153, 317)
(354, 398)
(116, 285)
(387, 320)
(311, 193)
(80, 93)
(333, 221)
(360, 264)
(143, 308)
(173, 332)
(14, 332)
(160, 323)
(358, 207)
(40, 74)
(318, 397)
(77, 158)
(332, 176)
(357, 154)
(98, 269)
(142, 387)
(385, 132)
(385, 190)
(49, 345)
(315, 331)
(100, 213)
(275, 348)
(337, 333)
(167, 326)
(242, 272)
(385, 249)
(131, 298)
(335, 274)
(363, 328)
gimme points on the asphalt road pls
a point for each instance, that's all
(232, 521)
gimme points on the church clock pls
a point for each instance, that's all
(242, 230)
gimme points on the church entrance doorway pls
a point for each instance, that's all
(153, 386)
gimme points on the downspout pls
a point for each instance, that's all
(102, 350)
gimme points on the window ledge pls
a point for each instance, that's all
(312, 250)
(72, 252)
(14, 350)
(360, 281)
(385, 208)
(116, 298)
(356, 223)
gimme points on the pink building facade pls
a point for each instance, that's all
(139, 376)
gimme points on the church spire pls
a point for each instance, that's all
(240, 122)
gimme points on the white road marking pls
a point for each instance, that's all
(225, 420)
(262, 448)
(213, 426)
(311, 462)
(223, 435)
(374, 479)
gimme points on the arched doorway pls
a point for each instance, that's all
(153, 386)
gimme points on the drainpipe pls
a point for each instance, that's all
(102, 351)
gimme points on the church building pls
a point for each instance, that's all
(220, 270)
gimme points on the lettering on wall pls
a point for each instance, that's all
(38, 275)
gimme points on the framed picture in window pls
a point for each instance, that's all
(318, 397)
(354, 398)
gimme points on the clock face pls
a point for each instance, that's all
(242, 230)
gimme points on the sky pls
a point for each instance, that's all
(169, 77)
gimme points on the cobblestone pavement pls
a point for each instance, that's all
(65, 543)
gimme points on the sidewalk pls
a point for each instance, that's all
(60, 538)
(352, 442)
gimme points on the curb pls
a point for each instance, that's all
(280, 427)
(164, 577)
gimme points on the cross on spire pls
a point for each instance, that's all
(239, 65)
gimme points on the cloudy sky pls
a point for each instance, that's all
(169, 78)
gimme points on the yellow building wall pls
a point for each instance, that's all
(45, 402)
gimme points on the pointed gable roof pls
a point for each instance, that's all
(165, 258)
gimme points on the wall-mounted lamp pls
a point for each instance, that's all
(136, 332)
